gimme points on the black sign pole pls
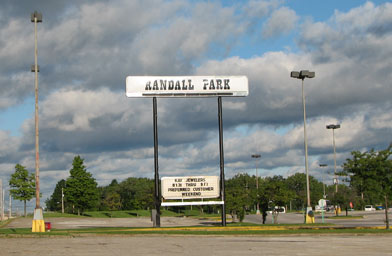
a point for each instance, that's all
(222, 162)
(157, 222)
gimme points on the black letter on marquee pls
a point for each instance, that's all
(227, 86)
(205, 81)
(184, 87)
(148, 86)
(191, 86)
(219, 84)
(171, 85)
(155, 86)
(178, 86)
(212, 86)
(163, 84)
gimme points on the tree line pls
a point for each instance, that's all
(368, 181)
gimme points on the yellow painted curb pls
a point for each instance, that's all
(211, 229)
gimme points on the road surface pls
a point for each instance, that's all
(199, 245)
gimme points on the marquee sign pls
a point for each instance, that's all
(186, 86)
(190, 187)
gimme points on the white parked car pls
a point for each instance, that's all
(279, 209)
(369, 208)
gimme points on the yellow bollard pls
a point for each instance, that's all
(38, 221)
(38, 226)
(309, 218)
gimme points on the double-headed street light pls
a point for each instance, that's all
(333, 127)
(257, 156)
(302, 75)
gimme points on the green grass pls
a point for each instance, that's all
(345, 217)
(110, 214)
(130, 214)
(4, 222)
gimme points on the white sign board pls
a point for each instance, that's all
(322, 203)
(190, 187)
(186, 86)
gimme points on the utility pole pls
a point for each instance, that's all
(333, 127)
(2, 205)
(257, 156)
(10, 207)
(38, 220)
(324, 195)
(1, 200)
(62, 200)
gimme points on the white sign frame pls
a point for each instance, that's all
(190, 187)
(186, 86)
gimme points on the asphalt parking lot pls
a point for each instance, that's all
(199, 245)
(298, 244)
(365, 219)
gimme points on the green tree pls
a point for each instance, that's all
(373, 170)
(297, 184)
(81, 188)
(343, 197)
(22, 185)
(54, 202)
(240, 193)
(137, 193)
(275, 192)
(112, 201)
(110, 197)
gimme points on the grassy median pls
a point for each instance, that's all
(230, 229)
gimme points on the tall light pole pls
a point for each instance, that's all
(302, 75)
(1, 200)
(10, 206)
(257, 156)
(324, 195)
(333, 127)
(62, 200)
(38, 221)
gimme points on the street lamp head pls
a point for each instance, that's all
(323, 165)
(36, 15)
(333, 126)
(302, 74)
(306, 73)
(294, 74)
(256, 156)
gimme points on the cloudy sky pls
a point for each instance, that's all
(86, 49)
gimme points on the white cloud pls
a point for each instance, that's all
(9, 144)
(382, 121)
(282, 21)
(73, 110)
(260, 8)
